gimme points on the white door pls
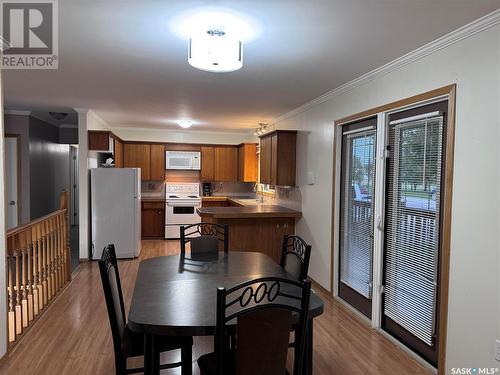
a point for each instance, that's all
(11, 173)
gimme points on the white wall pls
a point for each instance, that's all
(182, 136)
(87, 120)
(474, 296)
(3, 244)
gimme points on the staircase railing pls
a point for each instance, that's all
(38, 267)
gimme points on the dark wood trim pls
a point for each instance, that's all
(276, 132)
(319, 288)
(445, 90)
(450, 91)
(19, 176)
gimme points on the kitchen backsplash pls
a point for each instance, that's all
(153, 187)
(232, 188)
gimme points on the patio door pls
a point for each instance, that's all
(412, 227)
(356, 214)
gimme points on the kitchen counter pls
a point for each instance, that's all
(149, 198)
(253, 211)
(253, 226)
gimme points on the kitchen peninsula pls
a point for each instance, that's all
(253, 226)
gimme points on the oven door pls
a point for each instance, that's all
(180, 213)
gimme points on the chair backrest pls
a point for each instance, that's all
(205, 239)
(111, 285)
(265, 310)
(295, 256)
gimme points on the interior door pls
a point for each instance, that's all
(412, 227)
(356, 214)
(12, 181)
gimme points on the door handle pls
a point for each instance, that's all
(12, 203)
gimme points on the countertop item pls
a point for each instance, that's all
(190, 287)
(241, 212)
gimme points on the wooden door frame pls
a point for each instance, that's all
(447, 93)
(19, 175)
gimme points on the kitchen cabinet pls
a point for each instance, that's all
(153, 219)
(247, 162)
(265, 160)
(225, 163)
(278, 158)
(99, 140)
(207, 164)
(157, 162)
(118, 154)
(149, 157)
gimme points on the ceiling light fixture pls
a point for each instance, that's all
(263, 127)
(185, 123)
(215, 51)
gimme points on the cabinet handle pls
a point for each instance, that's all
(277, 226)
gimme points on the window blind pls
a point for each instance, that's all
(356, 227)
(412, 224)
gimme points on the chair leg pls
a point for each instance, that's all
(121, 366)
(186, 360)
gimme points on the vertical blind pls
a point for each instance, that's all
(356, 225)
(412, 224)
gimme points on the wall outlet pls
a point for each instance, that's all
(497, 350)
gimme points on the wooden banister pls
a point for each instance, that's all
(38, 267)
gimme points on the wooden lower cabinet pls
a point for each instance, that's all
(153, 219)
(264, 235)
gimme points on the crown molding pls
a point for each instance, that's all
(477, 26)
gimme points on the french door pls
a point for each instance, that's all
(412, 233)
(402, 224)
(356, 214)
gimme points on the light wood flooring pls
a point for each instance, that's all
(73, 337)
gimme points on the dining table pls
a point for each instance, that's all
(176, 296)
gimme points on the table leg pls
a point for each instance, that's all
(151, 356)
(307, 363)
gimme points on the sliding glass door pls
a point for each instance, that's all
(356, 214)
(412, 227)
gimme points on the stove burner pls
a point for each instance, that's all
(192, 196)
(173, 196)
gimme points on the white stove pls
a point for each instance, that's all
(182, 200)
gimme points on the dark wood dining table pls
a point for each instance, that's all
(176, 296)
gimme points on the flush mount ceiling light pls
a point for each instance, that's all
(185, 123)
(215, 51)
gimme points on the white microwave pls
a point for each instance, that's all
(186, 160)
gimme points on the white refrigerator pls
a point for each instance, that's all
(116, 211)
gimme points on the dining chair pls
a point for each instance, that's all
(295, 255)
(265, 309)
(205, 240)
(126, 343)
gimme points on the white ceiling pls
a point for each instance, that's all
(122, 59)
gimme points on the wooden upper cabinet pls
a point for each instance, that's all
(157, 162)
(118, 154)
(265, 160)
(278, 158)
(226, 163)
(138, 155)
(247, 162)
(98, 140)
(207, 164)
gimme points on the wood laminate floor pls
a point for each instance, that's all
(73, 337)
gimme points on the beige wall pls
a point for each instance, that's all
(474, 296)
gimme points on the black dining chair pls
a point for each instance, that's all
(265, 309)
(126, 343)
(295, 255)
(205, 239)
